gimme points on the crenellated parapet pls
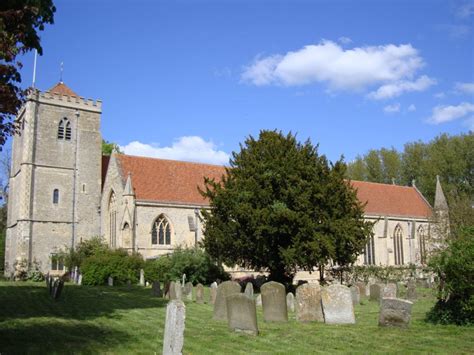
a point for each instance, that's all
(75, 102)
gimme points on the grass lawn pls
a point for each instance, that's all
(115, 320)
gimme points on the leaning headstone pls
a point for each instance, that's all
(411, 290)
(258, 300)
(375, 291)
(395, 312)
(355, 292)
(79, 280)
(249, 290)
(308, 303)
(213, 293)
(156, 289)
(363, 289)
(389, 291)
(142, 277)
(110, 281)
(337, 305)
(225, 289)
(174, 327)
(290, 302)
(199, 293)
(57, 288)
(172, 291)
(274, 302)
(178, 290)
(188, 291)
(242, 313)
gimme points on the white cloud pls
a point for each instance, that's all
(443, 114)
(341, 69)
(188, 148)
(467, 88)
(411, 108)
(465, 10)
(392, 108)
(440, 95)
(344, 40)
(397, 88)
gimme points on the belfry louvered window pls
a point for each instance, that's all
(161, 232)
(398, 245)
(64, 129)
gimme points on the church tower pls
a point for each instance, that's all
(55, 182)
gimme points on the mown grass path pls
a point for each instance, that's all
(118, 321)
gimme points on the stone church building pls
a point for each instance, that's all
(62, 191)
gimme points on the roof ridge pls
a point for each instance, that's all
(381, 183)
(170, 160)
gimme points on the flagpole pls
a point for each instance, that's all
(34, 69)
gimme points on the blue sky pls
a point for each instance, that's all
(190, 80)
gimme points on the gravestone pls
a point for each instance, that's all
(225, 289)
(337, 305)
(274, 302)
(57, 288)
(395, 312)
(172, 291)
(110, 281)
(258, 300)
(308, 303)
(79, 280)
(375, 291)
(174, 327)
(389, 291)
(178, 290)
(213, 293)
(188, 291)
(142, 277)
(249, 290)
(156, 289)
(199, 293)
(355, 292)
(50, 285)
(411, 290)
(290, 302)
(242, 313)
(76, 275)
(363, 289)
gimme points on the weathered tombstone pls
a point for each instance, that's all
(110, 281)
(241, 313)
(337, 305)
(172, 291)
(258, 300)
(199, 293)
(183, 280)
(188, 291)
(389, 291)
(142, 277)
(308, 303)
(363, 289)
(76, 275)
(178, 290)
(225, 289)
(213, 293)
(290, 302)
(411, 290)
(249, 290)
(79, 280)
(274, 302)
(156, 289)
(395, 312)
(46, 278)
(57, 288)
(174, 327)
(355, 292)
(50, 285)
(375, 291)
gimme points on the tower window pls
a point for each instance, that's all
(64, 129)
(55, 196)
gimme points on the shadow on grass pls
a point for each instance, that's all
(30, 300)
(57, 337)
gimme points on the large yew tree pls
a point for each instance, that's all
(282, 207)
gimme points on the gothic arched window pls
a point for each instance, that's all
(398, 245)
(64, 129)
(421, 240)
(161, 232)
(113, 220)
(55, 196)
(369, 253)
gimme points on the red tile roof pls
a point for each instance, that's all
(62, 89)
(167, 180)
(391, 200)
(176, 181)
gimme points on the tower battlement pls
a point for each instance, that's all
(78, 102)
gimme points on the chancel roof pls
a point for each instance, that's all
(177, 182)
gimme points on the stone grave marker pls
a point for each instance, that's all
(79, 280)
(57, 288)
(249, 290)
(199, 293)
(188, 291)
(388, 291)
(411, 290)
(363, 289)
(110, 281)
(375, 291)
(308, 303)
(355, 292)
(172, 291)
(274, 302)
(142, 277)
(174, 327)
(178, 290)
(156, 289)
(242, 313)
(225, 289)
(50, 285)
(258, 300)
(290, 302)
(213, 293)
(337, 305)
(395, 312)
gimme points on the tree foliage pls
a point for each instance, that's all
(20, 21)
(109, 147)
(281, 207)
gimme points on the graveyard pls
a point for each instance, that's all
(129, 319)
